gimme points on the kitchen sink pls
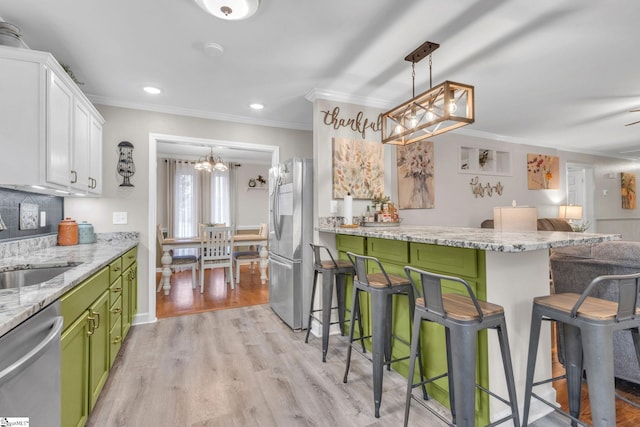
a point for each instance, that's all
(32, 276)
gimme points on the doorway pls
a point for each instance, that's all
(580, 192)
(219, 295)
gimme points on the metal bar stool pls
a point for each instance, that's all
(332, 272)
(381, 287)
(588, 324)
(462, 316)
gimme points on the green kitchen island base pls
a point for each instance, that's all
(505, 268)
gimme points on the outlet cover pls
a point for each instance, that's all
(43, 218)
(119, 217)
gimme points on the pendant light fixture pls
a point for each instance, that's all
(445, 107)
(210, 163)
(230, 10)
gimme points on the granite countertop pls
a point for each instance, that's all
(17, 305)
(476, 238)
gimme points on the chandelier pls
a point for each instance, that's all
(440, 109)
(210, 163)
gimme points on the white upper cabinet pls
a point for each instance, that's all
(80, 147)
(50, 134)
(58, 131)
(95, 153)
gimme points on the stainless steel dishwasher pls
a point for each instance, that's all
(30, 369)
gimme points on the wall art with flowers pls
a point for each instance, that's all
(415, 175)
(543, 172)
(628, 190)
(358, 168)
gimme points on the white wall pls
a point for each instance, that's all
(253, 204)
(455, 205)
(135, 126)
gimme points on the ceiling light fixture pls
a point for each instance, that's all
(256, 106)
(442, 108)
(210, 163)
(231, 10)
(152, 90)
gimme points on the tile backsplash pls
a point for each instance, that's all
(10, 201)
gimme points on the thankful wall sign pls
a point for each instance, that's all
(359, 123)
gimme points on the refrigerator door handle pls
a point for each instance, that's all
(275, 211)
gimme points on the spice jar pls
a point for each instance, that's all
(67, 232)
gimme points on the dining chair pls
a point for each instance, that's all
(250, 256)
(178, 261)
(216, 251)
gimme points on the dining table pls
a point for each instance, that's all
(239, 240)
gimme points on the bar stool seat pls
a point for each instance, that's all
(462, 316)
(381, 287)
(333, 272)
(588, 326)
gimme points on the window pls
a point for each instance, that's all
(198, 197)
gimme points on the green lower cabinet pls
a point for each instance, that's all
(115, 340)
(130, 297)
(99, 347)
(97, 315)
(394, 255)
(75, 373)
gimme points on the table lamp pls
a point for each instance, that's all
(515, 218)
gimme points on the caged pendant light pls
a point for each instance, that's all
(440, 109)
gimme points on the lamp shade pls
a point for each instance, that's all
(520, 218)
(442, 108)
(570, 212)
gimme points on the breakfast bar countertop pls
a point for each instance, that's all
(476, 238)
(18, 304)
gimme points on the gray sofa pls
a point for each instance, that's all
(572, 268)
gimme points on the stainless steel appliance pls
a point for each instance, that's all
(30, 369)
(290, 232)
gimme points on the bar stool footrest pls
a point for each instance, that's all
(559, 409)
(428, 407)
(429, 380)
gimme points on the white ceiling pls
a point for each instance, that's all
(558, 73)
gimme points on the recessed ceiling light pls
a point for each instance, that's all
(257, 106)
(230, 10)
(152, 90)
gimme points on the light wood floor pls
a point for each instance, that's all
(245, 367)
(242, 367)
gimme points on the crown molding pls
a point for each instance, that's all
(101, 100)
(330, 95)
(524, 141)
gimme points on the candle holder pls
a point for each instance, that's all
(126, 167)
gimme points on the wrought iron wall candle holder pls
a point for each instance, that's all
(479, 190)
(126, 167)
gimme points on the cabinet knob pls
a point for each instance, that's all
(117, 310)
(117, 339)
(117, 289)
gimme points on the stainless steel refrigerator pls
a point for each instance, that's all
(290, 232)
